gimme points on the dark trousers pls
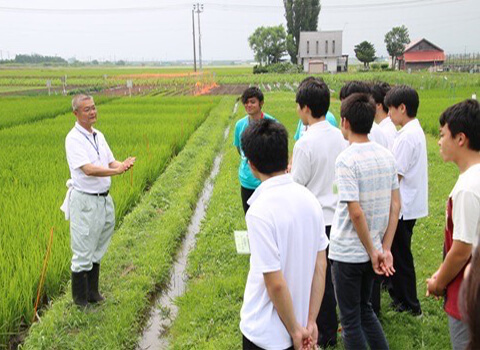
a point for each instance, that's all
(376, 293)
(353, 288)
(403, 283)
(248, 345)
(327, 321)
(246, 194)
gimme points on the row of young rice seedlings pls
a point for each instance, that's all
(90, 72)
(419, 80)
(26, 109)
(33, 175)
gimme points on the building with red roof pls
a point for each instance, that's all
(422, 54)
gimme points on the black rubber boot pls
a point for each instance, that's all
(80, 288)
(93, 275)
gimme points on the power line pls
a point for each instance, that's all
(227, 7)
(74, 11)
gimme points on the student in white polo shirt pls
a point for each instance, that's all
(313, 166)
(376, 133)
(379, 91)
(287, 241)
(90, 207)
(410, 152)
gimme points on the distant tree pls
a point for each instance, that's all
(268, 44)
(396, 40)
(121, 63)
(39, 59)
(301, 15)
(365, 53)
(95, 62)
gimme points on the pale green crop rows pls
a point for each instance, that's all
(33, 174)
(17, 110)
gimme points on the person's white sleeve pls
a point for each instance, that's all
(323, 241)
(77, 155)
(405, 156)
(466, 217)
(347, 182)
(265, 256)
(301, 166)
(395, 183)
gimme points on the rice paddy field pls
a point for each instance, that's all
(175, 139)
(33, 176)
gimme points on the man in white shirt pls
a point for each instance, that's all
(313, 166)
(460, 144)
(410, 152)
(287, 242)
(379, 91)
(91, 209)
(376, 133)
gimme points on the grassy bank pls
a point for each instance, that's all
(141, 254)
(209, 311)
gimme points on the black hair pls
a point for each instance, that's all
(316, 95)
(353, 87)
(359, 110)
(250, 92)
(309, 79)
(464, 117)
(379, 90)
(265, 144)
(406, 95)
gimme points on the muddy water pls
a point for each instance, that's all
(165, 311)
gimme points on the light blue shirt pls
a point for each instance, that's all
(247, 180)
(301, 128)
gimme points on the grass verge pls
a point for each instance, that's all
(209, 311)
(141, 254)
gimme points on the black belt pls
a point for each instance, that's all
(104, 194)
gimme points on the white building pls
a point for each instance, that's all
(320, 52)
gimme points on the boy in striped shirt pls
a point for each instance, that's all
(363, 225)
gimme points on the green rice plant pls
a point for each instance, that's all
(33, 175)
(17, 110)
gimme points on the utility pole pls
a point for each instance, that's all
(193, 32)
(199, 10)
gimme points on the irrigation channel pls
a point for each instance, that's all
(165, 310)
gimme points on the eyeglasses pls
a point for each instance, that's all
(88, 109)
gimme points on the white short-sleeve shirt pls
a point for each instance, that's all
(466, 206)
(83, 147)
(286, 232)
(410, 152)
(389, 130)
(377, 135)
(313, 163)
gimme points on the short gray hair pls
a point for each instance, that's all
(79, 98)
